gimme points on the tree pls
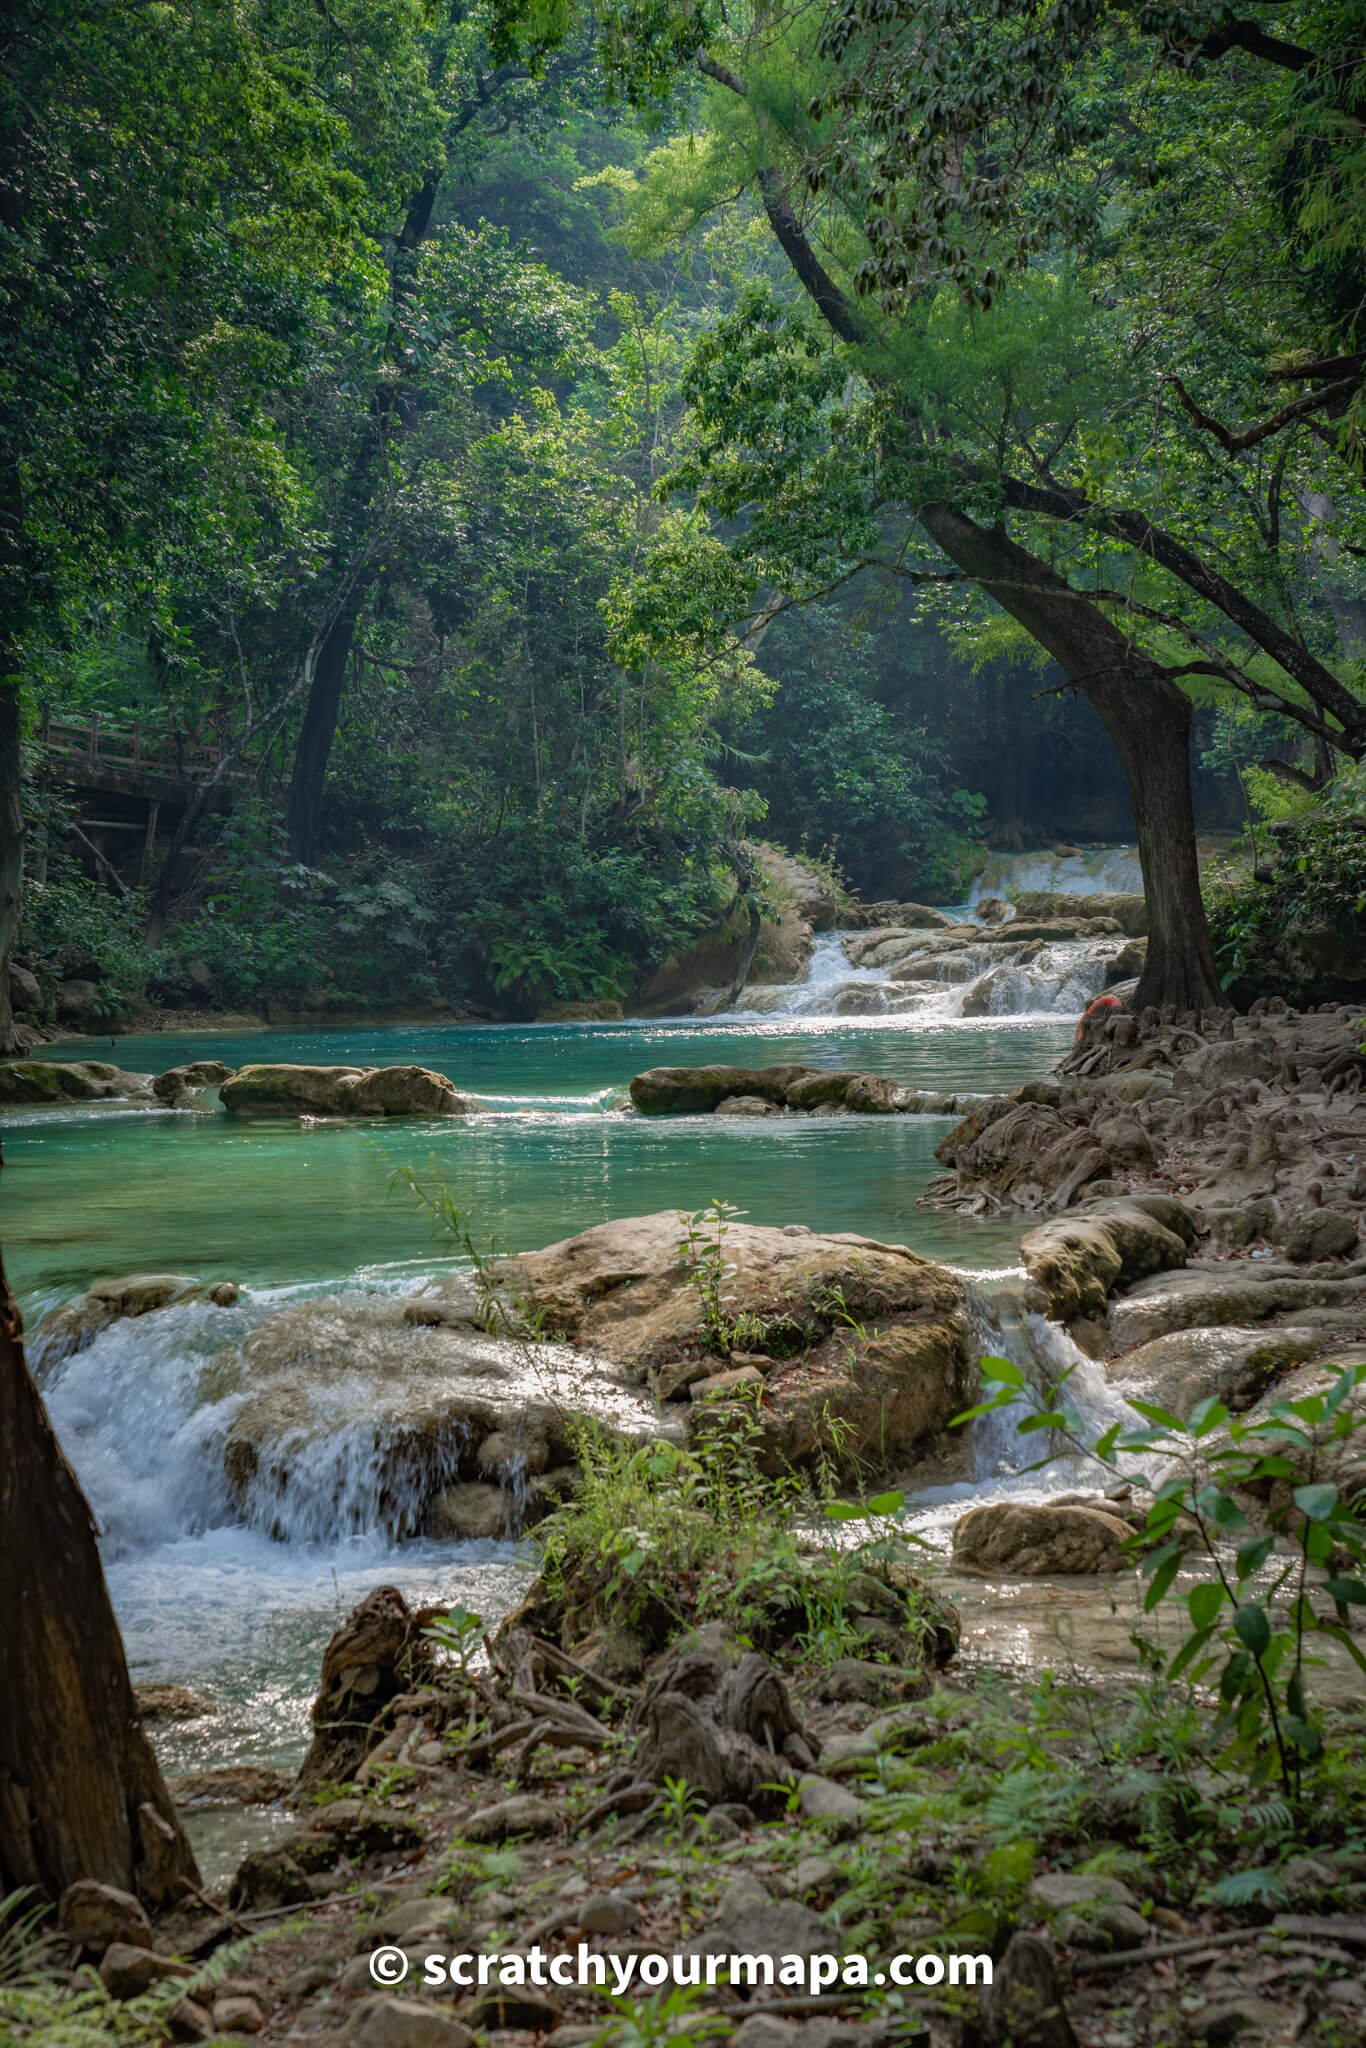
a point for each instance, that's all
(916, 200)
(81, 1794)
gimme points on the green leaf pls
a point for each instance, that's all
(1205, 1603)
(1050, 1419)
(843, 1511)
(1005, 1370)
(1316, 1503)
(1254, 1629)
(1188, 1652)
(1351, 1592)
(887, 1503)
(1161, 1582)
(1105, 1445)
(1252, 1556)
(1163, 1416)
(1207, 1416)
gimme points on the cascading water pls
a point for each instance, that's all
(945, 972)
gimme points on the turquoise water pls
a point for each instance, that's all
(102, 1189)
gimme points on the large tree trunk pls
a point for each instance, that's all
(81, 1794)
(1147, 716)
(303, 819)
(11, 851)
(1143, 710)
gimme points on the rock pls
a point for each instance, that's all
(25, 993)
(468, 1512)
(238, 2016)
(268, 1090)
(720, 1385)
(607, 1913)
(845, 1755)
(70, 1329)
(1024, 1541)
(1077, 1261)
(832, 1808)
(853, 1679)
(189, 2021)
(1241, 2016)
(384, 2022)
(428, 1395)
(1316, 1234)
(1230, 1061)
(686, 1091)
(746, 1105)
(1022, 2007)
(1211, 1295)
(526, 1813)
(815, 1874)
(1128, 911)
(94, 1916)
(1066, 1891)
(156, 1702)
(83, 1004)
(231, 1785)
(54, 1081)
(178, 1086)
(765, 1927)
(126, 1971)
(875, 1340)
(1233, 1365)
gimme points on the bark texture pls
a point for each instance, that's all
(81, 1793)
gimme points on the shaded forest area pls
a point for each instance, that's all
(497, 463)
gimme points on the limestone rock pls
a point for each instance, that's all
(126, 1971)
(891, 1363)
(686, 1091)
(375, 1654)
(832, 1808)
(1209, 1295)
(1076, 1262)
(159, 1702)
(1023, 2006)
(284, 1090)
(55, 1081)
(70, 1329)
(384, 2022)
(469, 1511)
(1316, 1234)
(746, 1105)
(238, 2015)
(1232, 1365)
(526, 1813)
(1018, 1540)
(178, 1086)
(94, 1916)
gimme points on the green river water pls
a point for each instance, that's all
(105, 1189)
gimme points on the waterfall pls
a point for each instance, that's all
(939, 982)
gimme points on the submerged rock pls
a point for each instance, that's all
(341, 1091)
(762, 1091)
(71, 1328)
(867, 1349)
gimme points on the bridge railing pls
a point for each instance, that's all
(96, 744)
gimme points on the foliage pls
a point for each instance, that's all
(1266, 1593)
(1298, 927)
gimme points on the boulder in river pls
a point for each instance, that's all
(1076, 1262)
(354, 1414)
(867, 1349)
(283, 1090)
(178, 1086)
(79, 1322)
(756, 1091)
(1034, 1540)
(55, 1081)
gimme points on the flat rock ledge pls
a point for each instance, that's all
(262, 1089)
(769, 1091)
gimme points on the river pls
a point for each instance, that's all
(96, 1190)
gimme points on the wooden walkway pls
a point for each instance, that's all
(100, 755)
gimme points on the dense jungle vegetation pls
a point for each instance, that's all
(519, 455)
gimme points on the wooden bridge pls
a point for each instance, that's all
(98, 754)
(130, 783)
